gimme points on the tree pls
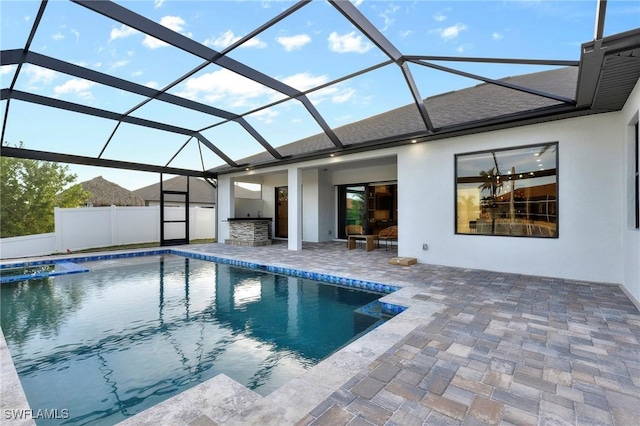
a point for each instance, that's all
(29, 190)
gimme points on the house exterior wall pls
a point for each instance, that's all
(589, 203)
(365, 174)
(327, 202)
(630, 236)
(595, 243)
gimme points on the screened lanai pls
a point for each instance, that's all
(200, 88)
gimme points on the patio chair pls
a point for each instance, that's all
(354, 230)
(388, 234)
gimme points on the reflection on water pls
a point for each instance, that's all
(110, 343)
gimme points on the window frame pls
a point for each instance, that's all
(636, 160)
(495, 151)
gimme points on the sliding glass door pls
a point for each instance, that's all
(374, 206)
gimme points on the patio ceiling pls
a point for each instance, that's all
(603, 78)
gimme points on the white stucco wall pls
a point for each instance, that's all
(365, 175)
(590, 192)
(226, 206)
(630, 237)
(326, 207)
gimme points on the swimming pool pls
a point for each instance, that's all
(140, 332)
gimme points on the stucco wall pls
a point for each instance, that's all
(589, 205)
(630, 237)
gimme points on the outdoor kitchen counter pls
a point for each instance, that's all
(249, 231)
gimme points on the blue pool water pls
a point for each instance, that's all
(130, 333)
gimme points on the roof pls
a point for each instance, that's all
(472, 105)
(106, 193)
(600, 81)
(200, 191)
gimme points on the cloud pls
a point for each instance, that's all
(228, 38)
(357, 3)
(157, 3)
(305, 81)
(223, 86)
(439, 17)
(348, 43)
(119, 64)
(387, 16)
(137, 73)
(464, 47)
(7, 69)
(266, 115)
(58, 36)
(497, 36)
(343, 96)
(122, 32)
(174, 23)
(152, 84)
(75, 33)
(406, 33)
(254, 42)
(38, 76)
(75, 86)
(335, 94)
(293, 42)
(452, 32)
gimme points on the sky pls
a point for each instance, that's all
(313, 46)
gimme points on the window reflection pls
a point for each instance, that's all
(508, 192)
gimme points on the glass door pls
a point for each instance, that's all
(352, 207)
(282, 212)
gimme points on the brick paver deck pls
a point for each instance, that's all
(506, 348)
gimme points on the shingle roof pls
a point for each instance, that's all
(199, 190)
(481, 102)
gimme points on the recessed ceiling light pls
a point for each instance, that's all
(414, 141)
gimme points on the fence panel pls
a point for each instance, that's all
(93, 227)
(28, 245)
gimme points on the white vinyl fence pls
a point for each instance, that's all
(89, 227)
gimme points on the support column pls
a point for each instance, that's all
(225, 207)
(295, 208)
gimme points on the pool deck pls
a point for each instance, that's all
(475, 347)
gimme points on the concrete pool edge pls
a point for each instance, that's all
(15, 407)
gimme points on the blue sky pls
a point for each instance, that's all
(313, 46)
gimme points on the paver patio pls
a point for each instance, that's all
(504, 348)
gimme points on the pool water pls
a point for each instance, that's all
(131, 333)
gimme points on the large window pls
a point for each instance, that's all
(508, 192)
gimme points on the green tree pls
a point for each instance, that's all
(29, 190)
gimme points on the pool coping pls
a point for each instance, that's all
(290, 402)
